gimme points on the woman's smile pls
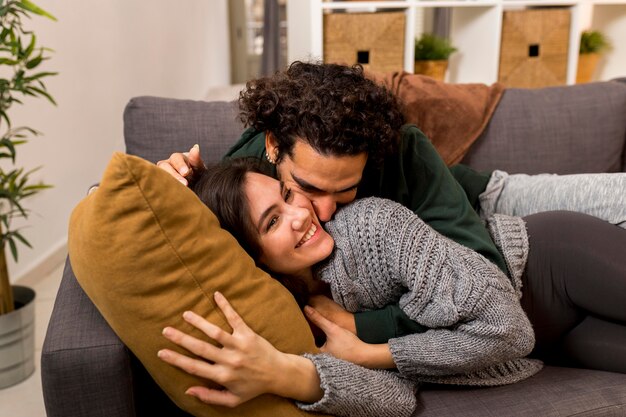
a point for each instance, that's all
(308, 235)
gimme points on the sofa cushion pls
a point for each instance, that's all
(155, 127)
(563, 130)
(553, 392)
(145, 249)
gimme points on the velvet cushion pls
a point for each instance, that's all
(145, 249)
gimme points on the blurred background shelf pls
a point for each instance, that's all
(475, 28)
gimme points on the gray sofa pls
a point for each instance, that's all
(87, 371)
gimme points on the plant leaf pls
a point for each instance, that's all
(21, 238)
(31, 7)
(43, 93)
(40, 75)
(12, 246)
(31, 46)
(34, 62)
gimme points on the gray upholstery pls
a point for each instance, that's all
(79, 352)
(156, 127)
(556, 130)
(553, 392)
(87, 371)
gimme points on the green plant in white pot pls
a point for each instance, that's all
(20, 78)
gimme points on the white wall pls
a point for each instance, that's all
(107, 52)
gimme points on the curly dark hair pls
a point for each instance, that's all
(334, 108)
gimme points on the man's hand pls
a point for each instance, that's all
(333, 312)
(184, 166)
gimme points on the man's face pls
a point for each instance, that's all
(328, 181)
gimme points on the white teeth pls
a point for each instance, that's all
(308, 235)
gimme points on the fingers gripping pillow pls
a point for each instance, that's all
(145, 249)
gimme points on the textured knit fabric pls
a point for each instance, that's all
(353, 391)
(599, 195)
(479, 332)
(510, 235)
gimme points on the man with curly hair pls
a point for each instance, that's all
(329, 132)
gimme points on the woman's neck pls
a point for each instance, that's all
(314, 285)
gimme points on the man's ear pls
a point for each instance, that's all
(271, 144)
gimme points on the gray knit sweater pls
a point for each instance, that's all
(478, 334)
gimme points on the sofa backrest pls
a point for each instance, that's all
(573, 129)
(563, 130)
(155, 127)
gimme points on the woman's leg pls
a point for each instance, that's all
(597, 344)
(576, 271)
(599, 195)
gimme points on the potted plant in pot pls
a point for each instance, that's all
(20, 58)
(592, 44)
(431, 55)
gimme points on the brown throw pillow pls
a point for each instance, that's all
(145, 249)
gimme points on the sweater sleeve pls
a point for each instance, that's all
(353, 391)
(469, 305)
(474, 314)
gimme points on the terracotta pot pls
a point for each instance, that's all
(435, 69)
(587, 64)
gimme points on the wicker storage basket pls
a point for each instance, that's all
(375, 40)
(534, 45)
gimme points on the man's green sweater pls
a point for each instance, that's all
(416, 177)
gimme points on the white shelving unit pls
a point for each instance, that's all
(475, 30)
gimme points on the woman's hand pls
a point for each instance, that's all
(246, 364)
(344, 344)
(183, 166)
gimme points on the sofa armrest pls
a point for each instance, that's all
(83, 360)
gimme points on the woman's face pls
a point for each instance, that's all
(290, 235)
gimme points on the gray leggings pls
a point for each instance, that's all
(599, 195)
(574, 290)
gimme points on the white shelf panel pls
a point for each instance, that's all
(608, 2)
(526, 3)
(458, 3)
(367, 6)
(611, 20)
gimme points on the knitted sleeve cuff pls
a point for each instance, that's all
(353, 391)
(510, 236)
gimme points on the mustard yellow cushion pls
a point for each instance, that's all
(145, 249)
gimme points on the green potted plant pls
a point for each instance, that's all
(20, 78)
(592, 44)
(431, 55)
